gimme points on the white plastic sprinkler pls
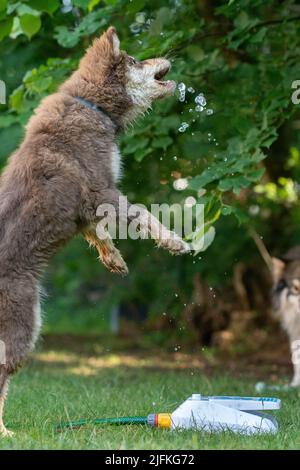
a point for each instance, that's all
(242, 415)
(220, 413)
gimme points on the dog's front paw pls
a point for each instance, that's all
(175, 245)
(115, 263)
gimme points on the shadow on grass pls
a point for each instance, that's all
(89, 355)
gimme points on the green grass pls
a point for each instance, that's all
(64, 382)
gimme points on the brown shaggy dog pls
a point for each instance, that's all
(68, 165)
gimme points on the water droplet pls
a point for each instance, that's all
(209, 112)
(183, 127)
(190, 110)
(181, 87)
(67, 6)
(140, 17)
(175, 158)
(199, 108)
(180, 184)
(134, 28)
(190, 201)
(200, 99)
(191, 89)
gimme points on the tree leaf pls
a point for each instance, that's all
(135, 5)
(82, 3)
(91, 22)
(135, 144)
(207, 176)
(44, 5)
(30, 24)
(16, 99)
(235, 183)
(140, 154)
(3, 5)
(7, 120)
(5, 28)
(162, 142)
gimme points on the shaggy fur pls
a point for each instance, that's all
(286, 301)
(67, 165)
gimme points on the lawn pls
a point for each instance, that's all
(71, 380)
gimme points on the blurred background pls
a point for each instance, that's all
(239, 156)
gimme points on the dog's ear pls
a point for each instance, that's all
(114, 40)
(277, 269)
(100, 56)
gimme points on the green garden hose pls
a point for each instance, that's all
(118, 421)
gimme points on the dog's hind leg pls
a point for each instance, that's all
(19, 328)
(108, 253)
(3, 392)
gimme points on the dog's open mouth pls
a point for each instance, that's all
(161, 74)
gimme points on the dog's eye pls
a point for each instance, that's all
(280, 285)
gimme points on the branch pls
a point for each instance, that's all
(262, 249)
(273, 22)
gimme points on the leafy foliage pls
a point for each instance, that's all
(243, 55)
